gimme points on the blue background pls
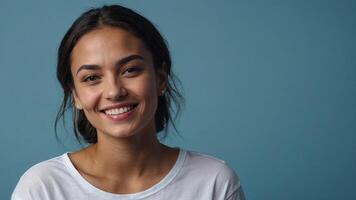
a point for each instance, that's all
(270, 88)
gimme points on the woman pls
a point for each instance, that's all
(115, 70)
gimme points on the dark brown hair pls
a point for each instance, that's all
(139, 26)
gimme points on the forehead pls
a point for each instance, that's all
(107, 43)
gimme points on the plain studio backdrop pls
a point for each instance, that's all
(270, 88)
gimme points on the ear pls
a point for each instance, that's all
(77, 103)
(162, 80)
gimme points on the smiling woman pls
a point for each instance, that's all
(115, 70)
(119, 95)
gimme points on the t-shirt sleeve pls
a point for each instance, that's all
(26, 191)
(232, 184)
(31, 186)
(237, 195)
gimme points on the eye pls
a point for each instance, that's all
(90, 78)
(131, 71)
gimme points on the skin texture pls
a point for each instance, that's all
(128, 157)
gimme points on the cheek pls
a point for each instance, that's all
(146, 90)
(88, 98)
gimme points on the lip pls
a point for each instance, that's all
(120, 117)
(121, 105)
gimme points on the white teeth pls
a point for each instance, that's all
(118, 111)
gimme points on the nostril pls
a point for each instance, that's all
(116, 93)
(123, 91)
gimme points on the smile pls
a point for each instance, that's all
(120, 113)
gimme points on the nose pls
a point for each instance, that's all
(115, 90)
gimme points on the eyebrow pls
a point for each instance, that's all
(118, 63)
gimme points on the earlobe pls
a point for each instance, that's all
(162, 92)
(78, 106)
(76, 102)
(162, 80)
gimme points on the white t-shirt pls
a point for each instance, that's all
(194, 176)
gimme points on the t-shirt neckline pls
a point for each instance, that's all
(138, 195)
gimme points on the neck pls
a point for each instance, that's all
(127, 157)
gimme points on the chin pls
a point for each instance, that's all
(120, 134)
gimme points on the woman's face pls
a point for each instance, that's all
(115, 83)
